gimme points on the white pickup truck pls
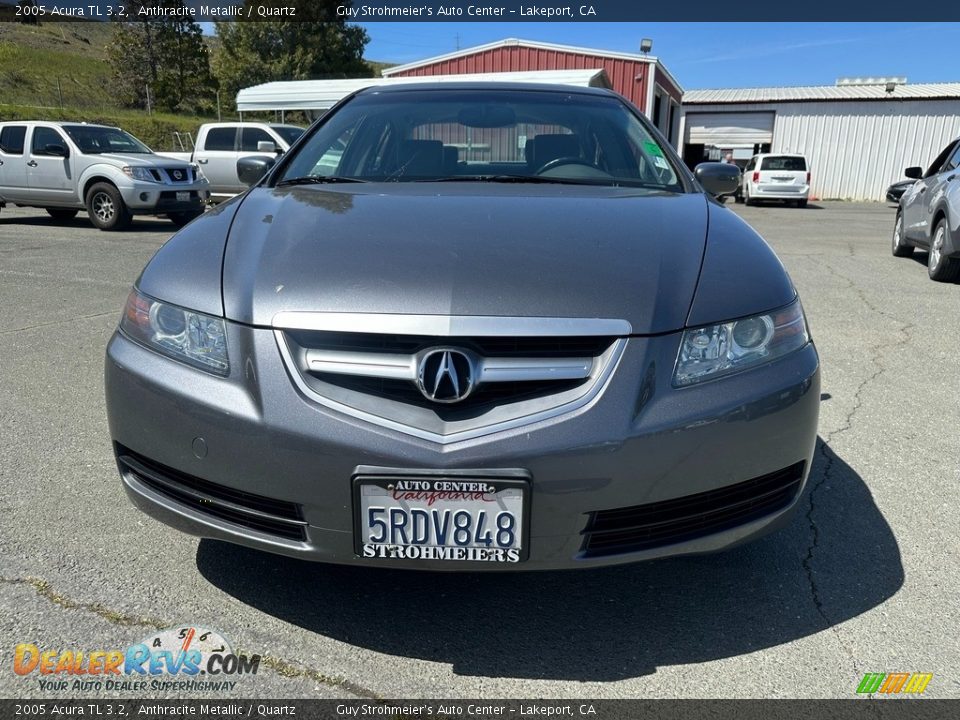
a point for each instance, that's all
(65, 167)
(220, 145)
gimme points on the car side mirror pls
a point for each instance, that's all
(718, 178)
(266, 146)
(251, 170)
(914, 173)
(56, 150)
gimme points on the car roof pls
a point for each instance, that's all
(59, 123)
(488, 85)
(799, 155)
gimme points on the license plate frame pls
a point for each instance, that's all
(505, 479)
(183, 196)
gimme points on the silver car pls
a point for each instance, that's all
(928, 215)
(67, 167)
(503, 328)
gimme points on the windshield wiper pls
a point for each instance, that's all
(319, 180)
(532, 179)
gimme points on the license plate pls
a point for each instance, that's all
(183, 197)
(439, 517)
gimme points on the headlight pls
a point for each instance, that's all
(197, 173)
(138, 173)
(191, 337)
(716, 350)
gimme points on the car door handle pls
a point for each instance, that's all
(32, 163)
(203, 161)
(951, 178)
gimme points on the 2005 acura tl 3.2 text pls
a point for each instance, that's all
(468, 326)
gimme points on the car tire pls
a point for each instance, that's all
(738, 196)
(747, 200)
(801, 203)
(62, 213)
(901, 248)
(106, 208)
(182, 218)
(940, 267)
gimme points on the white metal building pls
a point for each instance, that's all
(321, 95)
(857, 136)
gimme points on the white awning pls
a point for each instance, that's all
(324, 94)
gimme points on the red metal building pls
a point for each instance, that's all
(642, 79)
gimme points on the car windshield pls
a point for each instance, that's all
(94, 140)
(783, 163)
(485, 135)
(288, 132)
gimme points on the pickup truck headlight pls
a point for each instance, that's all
(190, 337)
(138, 173)
(717, 350)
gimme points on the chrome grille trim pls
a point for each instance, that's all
(451, 325)
(601, 372)
(404, 367)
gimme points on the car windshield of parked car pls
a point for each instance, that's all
(783, 163)
(486, 135)
(288, 132)
(98, 140)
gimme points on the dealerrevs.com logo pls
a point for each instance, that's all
(894, 683)
(197, 658)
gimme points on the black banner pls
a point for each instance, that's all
(854, 709)
(474, 11)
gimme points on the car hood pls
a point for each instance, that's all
(141, 159)
(466, 249)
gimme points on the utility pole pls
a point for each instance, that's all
(149, 109)
(60, 92)
(218, 107)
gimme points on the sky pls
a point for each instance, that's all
(712, 55)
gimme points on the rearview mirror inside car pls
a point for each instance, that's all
(251, 170)
(914, 173)
(718, 178)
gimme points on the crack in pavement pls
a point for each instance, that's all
(877, 353)
(282, 667)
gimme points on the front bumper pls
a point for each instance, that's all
(158, 199)
(641, 442)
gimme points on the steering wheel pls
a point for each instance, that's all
(557, 162)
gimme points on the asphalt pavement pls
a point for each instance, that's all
(865, 579)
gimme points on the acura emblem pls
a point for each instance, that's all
(446, 375)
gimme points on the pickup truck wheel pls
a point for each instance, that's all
(182, 218)
(62, 213)
(106, 208)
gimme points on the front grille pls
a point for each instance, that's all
(256, 512)
(485, 396)
(642, 527)
(485, 346)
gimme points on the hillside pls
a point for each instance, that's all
(50, 66)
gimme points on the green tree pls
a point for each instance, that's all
(161, 54)
(314, 44)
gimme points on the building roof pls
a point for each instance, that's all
(516, 42)
(916, 91)
(324, 94)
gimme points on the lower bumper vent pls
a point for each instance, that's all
(642, 527)
(255, 512)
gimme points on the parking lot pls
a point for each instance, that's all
(865, 579)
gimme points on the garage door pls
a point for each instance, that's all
(729, 129)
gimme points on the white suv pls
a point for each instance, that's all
(776, 177)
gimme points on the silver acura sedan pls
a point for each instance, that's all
(468, 327)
